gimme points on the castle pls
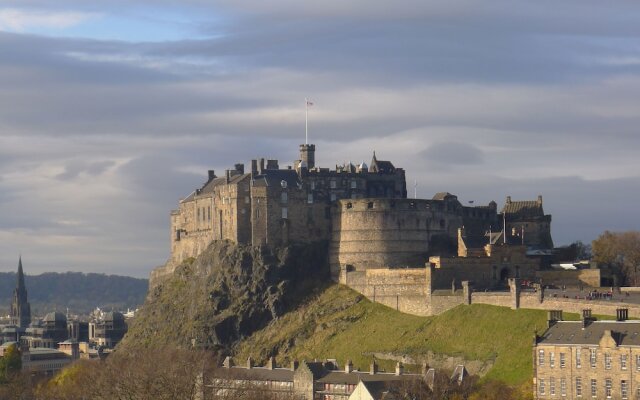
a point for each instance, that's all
(362, 211)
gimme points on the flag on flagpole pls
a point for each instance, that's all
(309, 103)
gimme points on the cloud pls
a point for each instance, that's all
(453, 153)
(21, 20)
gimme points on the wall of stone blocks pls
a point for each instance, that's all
(572, 278)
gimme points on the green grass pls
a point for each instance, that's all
(341, 324)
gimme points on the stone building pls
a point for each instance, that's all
(108, 331)
(527, 221)
(316, 380)
(362, 210)
(46, 333)
(588, 358)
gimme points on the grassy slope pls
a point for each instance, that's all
(341, 323)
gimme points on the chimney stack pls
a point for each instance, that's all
(212, 175)
(261, 166)
(540, 199)
(348, 367)
(508, 199)
(271, 364)
(228, 362)
(622, 314)
(553, 317)
(399, 368)
(249, 362)
(239, 168)
(294, 365)
(373, 368)
(586, 318)
(254, 167)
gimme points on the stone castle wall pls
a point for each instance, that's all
(572, 278)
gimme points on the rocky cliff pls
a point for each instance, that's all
(227, 293)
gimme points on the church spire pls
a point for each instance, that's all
(20, 307)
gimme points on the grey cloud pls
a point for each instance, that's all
(452, 153)
(72, 170)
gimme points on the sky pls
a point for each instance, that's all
(110, 112)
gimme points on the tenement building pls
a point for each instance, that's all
(361, 210)
(588, 358)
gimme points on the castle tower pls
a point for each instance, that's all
(308, 155)
(20, 308)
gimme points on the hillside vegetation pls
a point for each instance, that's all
(340, 323)
(78, 291)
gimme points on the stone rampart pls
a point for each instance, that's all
(571, 278)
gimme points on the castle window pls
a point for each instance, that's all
(354, 184)
(578, 359)
(246, 200)
(313, 185)
(333, 197)
(623, 361)
(517, 271)
(593, 357)
(563, 387)
(552, 386)
(607, 361)
(624, 389)
(310, 198)
(412, 204)
(370, 204)
(541, 387)
(198, 214)
(257, 213)
(285, 213)
(562, 360)
(349, 205)
(332, 184)
(284, 197)
(608, 384)
(442, 224)
(209, 213)
(540, 353)
(578, 386)
(552, 360)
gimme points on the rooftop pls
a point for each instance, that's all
(625, 333)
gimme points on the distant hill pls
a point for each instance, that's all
(78, 291)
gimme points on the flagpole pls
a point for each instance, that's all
(306, 121)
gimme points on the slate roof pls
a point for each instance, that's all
(356, 376)
(255, 373)
(274, 177)
(476, 241)
(523, 208)
(626, 333)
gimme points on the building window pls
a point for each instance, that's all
(257, 213)
(578, 360)
(284, 197)
(594, 388)
(579, 387)
(552, 386)
(333, 197)
(541, 387)
(563, 387)
(540, 355)
(624, 389)
(209, 213)
(607, 361)
(623, 361)
(552, 359)
(354, 184)
(285, 213)
(593, 357)
(246, 200)
(332, 184)
(313, 185)
(370, 204)
(607, 387)
(562, 360)
(638, 362)
(310, 198)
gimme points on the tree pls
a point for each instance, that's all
(620, 250)
(10, 363)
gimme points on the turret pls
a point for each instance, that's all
(308, 155)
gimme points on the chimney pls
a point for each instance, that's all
(622, 314)
(294, 365)
(228, 174)
(212, 175)
(239, 168)
(348, 367)
(399, 368)
(254, 167)
(249, 362)
(373, 368)
(586, 318)
(261, 166)
(508, 199)
(271, 364)
(539, 199)
(228, 362)
(272, 164)
(553, 317)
